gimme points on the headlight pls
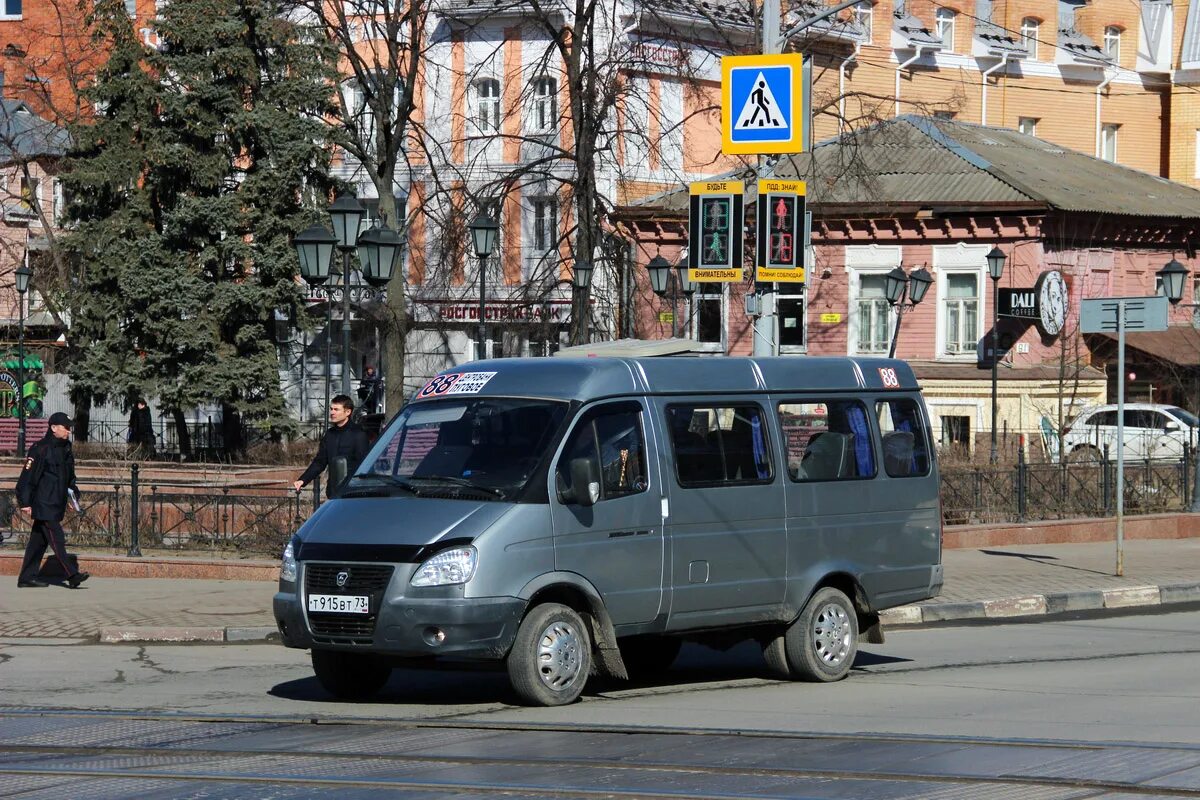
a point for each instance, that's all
(287, 570)
(446, 568)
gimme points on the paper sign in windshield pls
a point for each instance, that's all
(455, 383)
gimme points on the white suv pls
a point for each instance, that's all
(1151, 431)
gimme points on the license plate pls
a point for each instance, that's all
(338, 604)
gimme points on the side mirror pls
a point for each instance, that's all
(585, 482)
(1172, 426)
(337, 474)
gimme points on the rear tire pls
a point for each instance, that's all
(774, 652)
(551, 657)
(350, 676)
(1085, 454)
(823, 640)
(649, 656)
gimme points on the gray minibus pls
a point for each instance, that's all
(587, 515)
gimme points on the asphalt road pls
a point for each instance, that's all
(1129, 679)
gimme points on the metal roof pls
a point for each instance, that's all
(998, 41)
(25, 135)
(1081, 47)
(915, 31)
(944, 165)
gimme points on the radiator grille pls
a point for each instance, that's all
(368, 579)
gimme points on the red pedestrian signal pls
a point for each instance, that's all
(780, 231)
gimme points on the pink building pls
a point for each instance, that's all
(927, 193)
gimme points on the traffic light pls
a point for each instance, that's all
(715, 226)
(780, 216)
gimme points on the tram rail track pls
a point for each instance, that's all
(232, 754)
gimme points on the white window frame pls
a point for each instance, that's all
(60, 205)
(1030, 30)
(1108, 141)
(1112, 43)
(4, 11)
(1197, 154)
(545, 104)
(535, 254)
(864, 15)
(803, 298)
(955, 260)
(486, 105)
(34, 202)
(689, 310)
(866, 260)
(1027, 125)
(945, 19)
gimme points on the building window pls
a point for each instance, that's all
(12, 9)
(1112, 43)
(1030, 28)
(1027, 126)
(60, 202)
(864, 15)
(131, 8)
(707, 314)
(1198, 152)
(545, 224)
(30, 198)
(790, 311)
(541, 239)
(944, 114)
(874, 315)
(487, 105)
(956, 431)
(545, 104)
(961, 312)
(1108, 142)
(945, 28)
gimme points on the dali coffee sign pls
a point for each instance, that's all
(1045, 304)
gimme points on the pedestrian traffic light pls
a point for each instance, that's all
(781, 243)
(715, 229)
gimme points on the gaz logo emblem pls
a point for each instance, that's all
(343, 578)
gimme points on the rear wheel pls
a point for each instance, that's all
(551, 656)
(350, 676)
(821, 643)
(1085, 454)
(774, 652)
(648, 656)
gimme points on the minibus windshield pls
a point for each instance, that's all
(478, 447)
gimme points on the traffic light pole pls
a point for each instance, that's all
(764, 323)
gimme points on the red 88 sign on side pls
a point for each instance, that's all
(438, 385)
(889, 377)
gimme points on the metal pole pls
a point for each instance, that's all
(674, 307)
(328, 356)
(135, 545)
(764, 323)
(899, 318)
(481, 347)
(995, 360)
(21, 375)
(345, 323)
(1120, 439)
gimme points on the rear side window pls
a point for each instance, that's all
(611, 436)
(905, 440)
(719, 445)
(827, 440)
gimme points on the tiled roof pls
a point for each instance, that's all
(835, 26)
(723, 11)
(24, 134)
(913, 162)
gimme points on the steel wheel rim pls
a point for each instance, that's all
(831, 634)
(559, 656)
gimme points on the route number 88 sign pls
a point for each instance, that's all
(455, 383)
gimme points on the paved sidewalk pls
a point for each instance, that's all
(995, 582)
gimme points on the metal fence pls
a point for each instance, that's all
(255, 519)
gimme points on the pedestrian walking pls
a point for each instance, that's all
(46, 478)
(368, 391)
(344, 439)
(141, 431)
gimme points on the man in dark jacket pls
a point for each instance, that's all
(141, 431)
(47, 476)
(344, 439)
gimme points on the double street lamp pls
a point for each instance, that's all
(897, 285)
(995, 264)
(379, 252)
(660, 278)
(581, 281)
(24, 273)
(1173, 276)
(484, 233)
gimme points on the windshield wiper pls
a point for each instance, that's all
(463, 482)
(390, 480)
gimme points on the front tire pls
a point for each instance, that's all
(350, 676)
(551, 656)
(823, 640)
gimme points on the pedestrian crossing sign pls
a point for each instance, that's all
(762, 101)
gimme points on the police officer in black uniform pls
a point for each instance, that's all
(42, 494)
(344, 439)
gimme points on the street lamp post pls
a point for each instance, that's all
(484, 232)
(347, 215)
(662, 282)
(581, 280)
(1173, 276)
(899, 285)
(315, 246)
(24, 273)
(995, 263)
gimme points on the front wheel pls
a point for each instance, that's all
(551, 656)
(821, 643)
(350, 676)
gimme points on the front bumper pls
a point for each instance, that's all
(408, 627)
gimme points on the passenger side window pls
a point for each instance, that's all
(905, 440)
(611, 437)
(827, 440)
(719, 445)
